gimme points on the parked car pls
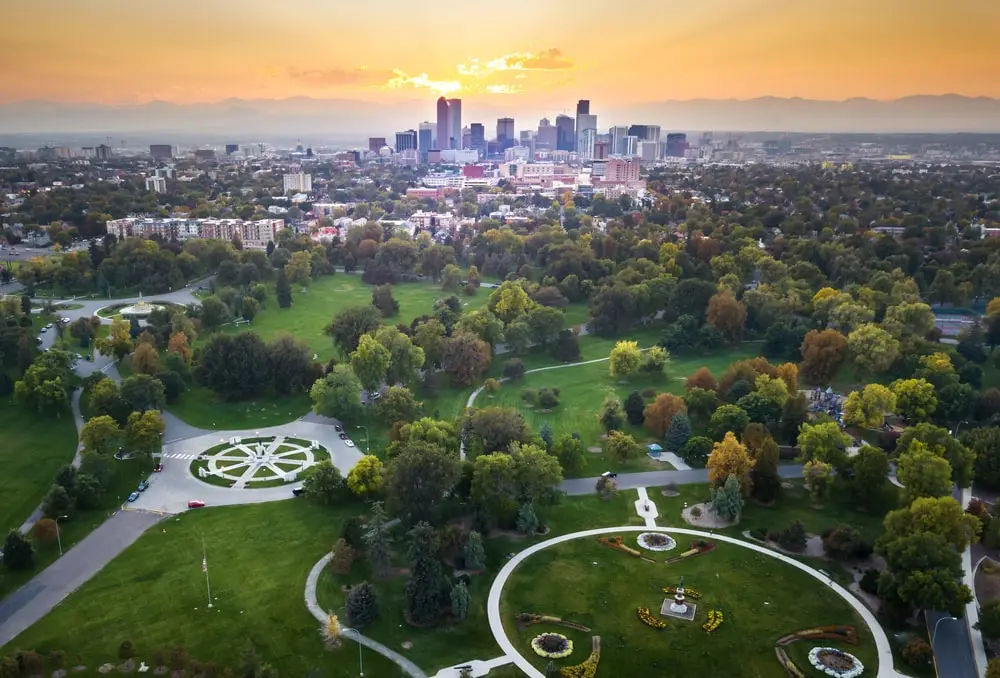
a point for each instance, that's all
(343, 436)
(298, 491)
(44, 330)
(349, 442)
(196, 503)
(133, 496)
(338, 428)
(157, 468)
(143, 486)
(609, 474)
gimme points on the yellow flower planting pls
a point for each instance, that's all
(649, 620)
(688, 593)
(715, 620)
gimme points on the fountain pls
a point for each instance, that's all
(678, 608)
(139, 309)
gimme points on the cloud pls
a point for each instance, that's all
(504, 89)
(423, 81)
(339, 77)
(548, 60)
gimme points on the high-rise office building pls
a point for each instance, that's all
(156, 184)
(565, 133)
(601, 150)
(585, 143)
(299, 182)
(406, 141)
(630, 145)
(505, 132)
(443, 133)
(161, 151)
(477, 138)
(232, 148)
(103, 152)
(676, 145)
(582, 108)
(618, 135)
(645, 132)
(376, 144)
(425, 137)
(455, 123)
(585, 123)
(547, 136)
(527, 139)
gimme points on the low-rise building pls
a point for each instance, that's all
(253, 234)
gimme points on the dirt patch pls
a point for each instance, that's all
(987, 581)
(670, 493)
(594, 449)
(707, 517)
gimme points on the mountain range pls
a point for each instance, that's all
(305, 117)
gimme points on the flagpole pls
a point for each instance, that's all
(204, 567)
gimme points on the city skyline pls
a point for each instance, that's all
(188, 52)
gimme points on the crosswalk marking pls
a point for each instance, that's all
(180, 456)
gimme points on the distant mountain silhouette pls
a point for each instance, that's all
(306, 116)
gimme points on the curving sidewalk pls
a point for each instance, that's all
(321, 615)
(885, 663)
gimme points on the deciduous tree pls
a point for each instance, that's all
(729, 457)
(466, 358)
(338, 394)
(365, 478)
(868, 408)
(872, 349)
(915, 399)
(823, 352)
(727, 315)
(923, 473)
(659, 413)
(624, 359)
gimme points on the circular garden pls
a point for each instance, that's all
(257, 462)
(752, 612)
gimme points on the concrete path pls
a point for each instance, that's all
(477, 666)
(633, 481)
(312, 603)
(675, 461)
(35, 599)
(645, 508)
(885, 668)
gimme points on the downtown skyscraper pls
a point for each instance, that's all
(443, 131)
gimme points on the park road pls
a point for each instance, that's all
(630, 481)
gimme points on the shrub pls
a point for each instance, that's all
(869, 581)
(513, 369)
(362, 605)
(352, 533)
(648, 392)
(529, 396)
(696, 450)
(845, 543)
(793, 537)
(696, 511)
(548, 398)
(491, 386)
(917, 652)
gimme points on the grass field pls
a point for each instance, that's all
(761, 599)
(199, 407)
(34, 447)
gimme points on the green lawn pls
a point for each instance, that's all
(199, 407)
(588, 583)
(34, 447)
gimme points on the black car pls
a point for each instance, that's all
(609, 474)
(338, 428)
(297, 491)
(343, 436)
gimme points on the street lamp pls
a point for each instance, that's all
(58, 536)
(361, 661)
(934, 631)
(366, 440)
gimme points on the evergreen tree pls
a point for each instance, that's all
(362, 605)
(423, 590)
(283, 290)
(727, 501)
(634, 408)
(460, 601)
(378, 540)
(678, 433)
(764, 474)
(18, 553)
(527, 521)
(545, 433)
(475, 555)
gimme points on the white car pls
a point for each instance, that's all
(349, 442)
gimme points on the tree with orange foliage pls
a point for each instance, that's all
(659, 413)
(823, 352)
(789, 373)
(754, 436)
(145, 359)
(702, 378)
(727, 315)
(45, 530)
(729, 457)
(744, 370)
(179, 344)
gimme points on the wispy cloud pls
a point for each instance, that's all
(339, 77)
(480, 76)
(548, 60)
(504, 89)
(423, 81)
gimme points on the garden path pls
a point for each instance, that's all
(645, 508)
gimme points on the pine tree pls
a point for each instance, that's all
(283, 290)
(527, 521)
(634, 407)
(423, 590)
(475, 555)
(679, 432)
(545, 433)
(362, 605)
(764, 474)
(460, 601)
(378, 541)
(18, 553)
(727, 501)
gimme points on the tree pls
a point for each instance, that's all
(728, 419)
(178, 344)
(143, 392)
(283, 290)
(362, 605)
(624, 359)
(729, 457)
(510, 301)
(440, 433)
(18, 553)
(338, 394)
(658, 415)
(566, 347)
(870, 467)
(45, 385)
(938, 515)
(493, 429)
(764, 478)
(915, 399)
(398, 404)
(494, 482)
(824, 442)
(378, 541)
(474, 554)
(545, 324)
(513, 369)
(527, 521)
(466, 357)
(45, 530)
(989, 620)
(370, 360)
(323, 483)
(545, 433)
(417, 480)
(985, 443)
(823, 352)
(214, 313)
(405, 358)
(844, 542)
(460, 601)
(868, 408)
(298, 270)
(941, 442)
(291, 364)
(570, 453)
(923, 572)
(622, 447)
(249, 308)
(634, 408)
(993, 668)
(144, 432)
(423, 589)
(118, 343)
(350, 324)
(872, 349)
(727, 501)
(678, 432)
(536, 473)
(56, 502)
(430, 336)
(701, 404)
(655, 361)
(100, 434)
(923, 473)
(88, 492)
(365, 479)
(817, 476)
(383, 300)
(696, 450)
(702, 378)
(451, 278)
(727, 315)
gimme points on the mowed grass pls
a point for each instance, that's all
(199, 406)
(154, 594)
(761, 599)
(33, 448)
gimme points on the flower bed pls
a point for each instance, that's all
(688, 593)
(791, 669)
(656, 541)
(649, 619)
(835, 663)
(847, 634)
(618, 544)
(552, 645)
(715, 620)
(526, 619)
(697, 547)
(588, 669)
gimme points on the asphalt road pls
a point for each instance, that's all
(630, 481)
(952, 646)
(50, 587)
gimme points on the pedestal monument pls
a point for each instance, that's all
(678, 608)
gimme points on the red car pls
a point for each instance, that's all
(157, 468)
(196, 503)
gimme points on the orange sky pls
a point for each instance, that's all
(529, 52)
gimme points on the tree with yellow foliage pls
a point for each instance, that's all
(729, 457)
(624, 359)
(118, 343)
(789, 373)
(868, 408)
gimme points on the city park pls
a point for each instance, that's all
(612, 583)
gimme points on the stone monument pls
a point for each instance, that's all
(678, 608)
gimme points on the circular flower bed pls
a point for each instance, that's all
(552, 645)
(656, 541)
(835, 663)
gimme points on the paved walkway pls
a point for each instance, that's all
(321, 616)
(645, 508)
(477, 666)
(633, 481)
(885, 667)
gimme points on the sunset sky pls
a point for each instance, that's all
(531, 52)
